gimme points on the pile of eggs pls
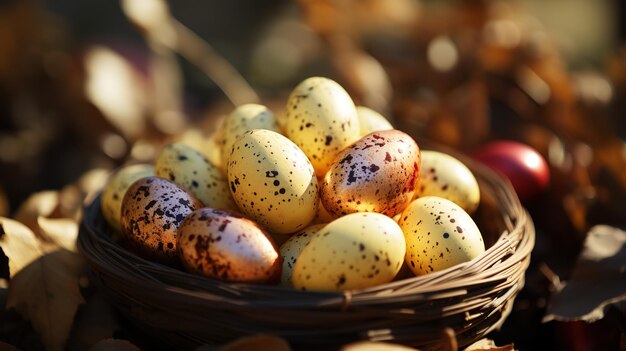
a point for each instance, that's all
(351, 199)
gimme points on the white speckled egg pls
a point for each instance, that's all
(244, 118)
(290, 250)
(226, 246)
(371, 121)
(445, 176)
(272, 181)
(439, 234)
(193, 172)
(152, 210)
(378, 173)
(322, 120)
(355, 251)
(116, 187)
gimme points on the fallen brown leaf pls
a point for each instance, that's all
(597, 281)
(95, 321)
(257, 343)
(488, 345)
(44, 284)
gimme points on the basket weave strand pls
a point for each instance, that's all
(186, 310)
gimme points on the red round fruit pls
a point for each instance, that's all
(521, 164)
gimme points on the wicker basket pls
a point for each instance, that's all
(186, 310)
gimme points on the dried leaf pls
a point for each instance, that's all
(597, 281)
(375, 346)
(42, 203)
(95, 321)
(487, 344)
(59, 231)
(44, 286)
(114, 345)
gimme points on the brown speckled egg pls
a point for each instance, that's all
(378, 173)
(272, 181)
(152, 210)
(226, 246)
(322, 120)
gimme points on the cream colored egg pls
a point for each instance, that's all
(226, 246)
(445, 176)
(322, 120)
(115, 189)
(355, 251)
(193, 172)
(244, 118)
(378, 173)
(290, 250)
(439, 234)
(272, 181)
(371, 121)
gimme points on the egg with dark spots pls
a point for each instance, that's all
(290, 250)
(439, 234)
(242, 119)
(189, 169)
(378, 173)
(272, 181)
(117, 184)
(227, 246)
(322, 120)
(445, 176)
(152, 210)
(355, 251)
(371, 121)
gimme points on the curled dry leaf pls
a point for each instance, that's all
(597, 281)
(44, 285)
(488, 345)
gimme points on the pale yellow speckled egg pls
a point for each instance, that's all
(227, 246)
(116, 187)
(445, 176)
(272, 181)
(290, 250)
(355, 251)
(193, 172)
(322, 120)
(378, 173)
(439, 234)
(242, 119)
(371, 121)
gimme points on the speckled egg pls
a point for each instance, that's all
(242, 119)
(322, 120)
(115, 188)
(226, 246)
(272, 181)
(290, 250)
(378, 173)
(439, 234)
(193, 172)
(371, 121)
(152, 210)
(355, 251)
(445, 176)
